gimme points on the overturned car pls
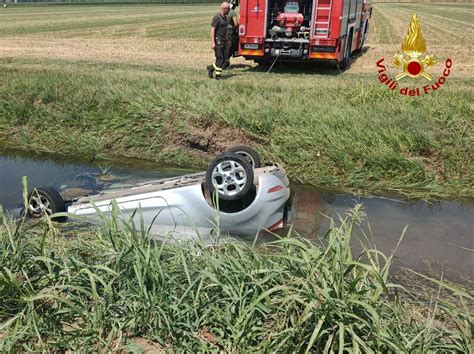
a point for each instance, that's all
(236, 195)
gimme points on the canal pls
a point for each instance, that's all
(439, 234)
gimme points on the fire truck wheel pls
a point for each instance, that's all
(366, 33)
(230, 176)
(45, 201)
(263, 62)
(251, 155)
(364, 37)
(347, 53)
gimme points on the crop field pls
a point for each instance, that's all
(178, 36)
(130, 80)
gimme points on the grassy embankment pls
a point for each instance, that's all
(113, 289)
(130, 81)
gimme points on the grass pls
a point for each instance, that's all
(114, 289)
(130, 81)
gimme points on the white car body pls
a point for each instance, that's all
(181, 204)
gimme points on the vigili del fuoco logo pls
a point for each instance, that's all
(414, 64)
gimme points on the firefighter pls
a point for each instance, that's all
(232, 33)
(218, 40)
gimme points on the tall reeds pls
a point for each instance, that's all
(103, 287)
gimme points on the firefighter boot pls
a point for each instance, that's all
(210, 71)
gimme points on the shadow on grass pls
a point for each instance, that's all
(240, 66)
(227, 75)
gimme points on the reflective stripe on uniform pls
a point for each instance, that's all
(217, 70)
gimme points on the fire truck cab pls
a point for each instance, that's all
(303, 30)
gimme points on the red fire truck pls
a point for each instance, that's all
(303, 30)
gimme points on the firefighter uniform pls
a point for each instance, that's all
(219, 22)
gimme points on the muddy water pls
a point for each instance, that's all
(60, 172)
(439, 235)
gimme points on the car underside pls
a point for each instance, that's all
(234, 196)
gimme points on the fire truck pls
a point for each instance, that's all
(303, 30)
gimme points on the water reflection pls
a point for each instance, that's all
(441, 233)
(61, 172)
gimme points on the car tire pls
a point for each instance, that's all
(229, 176)
(250, 154)
(45, 201)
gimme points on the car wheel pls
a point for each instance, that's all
(251, 155)
(229, 176)
(45, 201)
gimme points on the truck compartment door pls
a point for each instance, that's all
(253, 18)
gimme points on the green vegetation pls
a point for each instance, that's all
(130, 81)
(113, 288)
(395, 143)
